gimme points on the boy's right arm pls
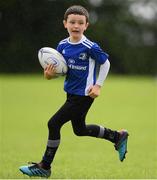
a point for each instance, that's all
(50, 72)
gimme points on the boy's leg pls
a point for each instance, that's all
(80, 110)
(118, 138)
(81, 129)
(54, 126)
(42, 169)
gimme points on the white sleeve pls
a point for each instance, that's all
(103, 71)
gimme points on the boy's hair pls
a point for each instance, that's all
(76, 9)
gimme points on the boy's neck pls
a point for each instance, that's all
(71, 40)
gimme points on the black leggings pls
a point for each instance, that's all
(75, 109)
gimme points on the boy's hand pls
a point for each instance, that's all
(50, 72)
(94, 91)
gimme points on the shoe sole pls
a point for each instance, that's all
(124, 154)
(34, 175)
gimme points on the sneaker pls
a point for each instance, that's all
(121, 145)
(35, 170)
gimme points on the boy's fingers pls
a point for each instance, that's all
(49, 67)
(90, 89)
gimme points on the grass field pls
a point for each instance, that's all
(27, 102)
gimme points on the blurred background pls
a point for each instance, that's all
(125, 29)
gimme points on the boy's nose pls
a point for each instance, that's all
(75, 25)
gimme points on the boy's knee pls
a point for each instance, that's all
(51, 123)
(79, 132)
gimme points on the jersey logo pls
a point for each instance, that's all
(63, 52)
(83, 56)
(71, 61)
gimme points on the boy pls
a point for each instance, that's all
(82, 87)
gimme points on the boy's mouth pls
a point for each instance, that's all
(76, 31)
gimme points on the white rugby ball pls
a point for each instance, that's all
(47, 55)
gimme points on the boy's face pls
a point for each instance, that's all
(75, 25)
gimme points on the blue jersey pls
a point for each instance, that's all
(82, 59)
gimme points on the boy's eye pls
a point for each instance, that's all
(72, 22)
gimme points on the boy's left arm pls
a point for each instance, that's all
(94, 91)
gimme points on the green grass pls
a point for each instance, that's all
(27, 103)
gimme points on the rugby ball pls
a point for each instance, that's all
(47, 55)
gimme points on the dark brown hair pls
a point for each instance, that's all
(76, 9)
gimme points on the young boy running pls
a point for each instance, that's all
(82, 87)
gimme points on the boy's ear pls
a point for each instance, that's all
(87, 24)
(65, 23)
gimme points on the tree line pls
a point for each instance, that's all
(28, 25)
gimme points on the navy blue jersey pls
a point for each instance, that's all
(82, 59)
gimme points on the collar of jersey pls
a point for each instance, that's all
(80, 41)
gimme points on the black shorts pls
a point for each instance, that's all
(75, 108)
(79, 105)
